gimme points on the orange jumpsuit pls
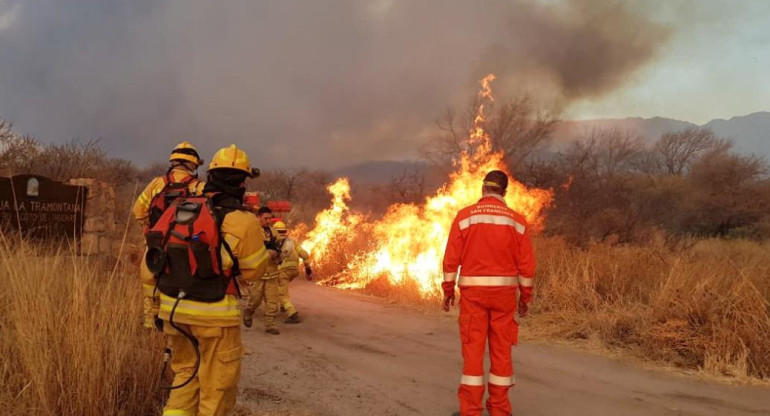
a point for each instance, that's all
(489, 244)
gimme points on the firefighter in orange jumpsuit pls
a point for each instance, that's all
(489, 246)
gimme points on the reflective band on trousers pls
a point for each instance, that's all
(501, 381)
(472, 380)
(489, 280)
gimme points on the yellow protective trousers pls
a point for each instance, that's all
(214, 389)
(284, 300)
(267, 290)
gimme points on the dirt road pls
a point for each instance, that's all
(354, 355)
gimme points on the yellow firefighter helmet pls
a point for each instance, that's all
(186, 152)
(280, 228)
(233, 158)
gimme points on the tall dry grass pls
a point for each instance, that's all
(71, 340)
(704, 307)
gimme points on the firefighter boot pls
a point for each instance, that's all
(294, 319)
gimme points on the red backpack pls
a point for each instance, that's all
(171, 191)
(184, 252)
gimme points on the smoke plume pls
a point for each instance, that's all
(318, 83)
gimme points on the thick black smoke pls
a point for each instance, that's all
(318, 83)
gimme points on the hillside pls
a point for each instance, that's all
(751, 133)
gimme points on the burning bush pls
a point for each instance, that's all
(406, 245)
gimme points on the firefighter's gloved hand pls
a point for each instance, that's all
(523, 309)
(449, 295)
(308, 272)
(273, 254)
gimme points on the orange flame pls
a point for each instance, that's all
(409, 240)
(332, 222)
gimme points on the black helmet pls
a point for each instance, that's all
(496, 179)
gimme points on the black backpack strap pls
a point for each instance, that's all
(167, 178)
(235, 271)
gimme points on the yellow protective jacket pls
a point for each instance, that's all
(291, 263)
(242, 232)
(141, 208)
(272, 265)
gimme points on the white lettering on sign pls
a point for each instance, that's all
(38, 206)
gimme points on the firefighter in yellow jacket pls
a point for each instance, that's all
(179, 180)
(288, 270)
(265, 289)
(216, 325)
(184, 162)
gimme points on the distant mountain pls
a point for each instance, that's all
(751, 133)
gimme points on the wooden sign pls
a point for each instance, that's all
(42, 208)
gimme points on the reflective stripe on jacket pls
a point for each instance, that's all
(490, 245)
(242, 232)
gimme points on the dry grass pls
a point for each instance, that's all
(705, 307)
(71, 341)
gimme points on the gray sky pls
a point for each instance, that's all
(327, 83)
(716, 65)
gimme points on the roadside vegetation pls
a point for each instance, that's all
(71, 339)
(702, 307)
